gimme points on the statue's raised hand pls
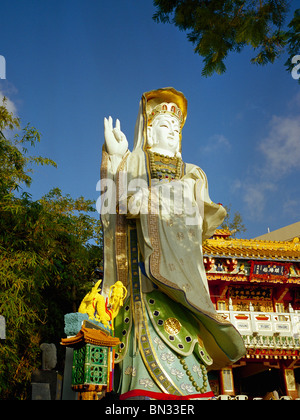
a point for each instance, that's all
(115, 141)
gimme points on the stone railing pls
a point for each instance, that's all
(266, 329)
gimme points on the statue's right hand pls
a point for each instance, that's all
(115, 140)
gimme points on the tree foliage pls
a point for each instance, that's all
(48, 251)
(217, 28)
(233, 222)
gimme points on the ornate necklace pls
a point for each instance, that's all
(164, 167)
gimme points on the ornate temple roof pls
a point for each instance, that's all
(221, 245)
(92, 336)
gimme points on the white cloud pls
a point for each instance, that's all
(10, 105)
(281, 147)
(280, 150)
(266, 185)
(295, 102)
(215, 142)
(255, 198)
(255, 201)
(291, 208)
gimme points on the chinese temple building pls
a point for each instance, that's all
(255, 284)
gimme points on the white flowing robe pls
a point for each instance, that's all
(170, 241)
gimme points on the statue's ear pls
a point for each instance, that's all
(149, 136)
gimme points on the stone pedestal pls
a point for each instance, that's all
(46, 385)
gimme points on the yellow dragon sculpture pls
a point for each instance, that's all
(100, 309)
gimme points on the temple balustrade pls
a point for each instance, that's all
(268, 330)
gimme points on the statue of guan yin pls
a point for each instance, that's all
(156, 212)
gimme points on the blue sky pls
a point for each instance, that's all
(70, 63)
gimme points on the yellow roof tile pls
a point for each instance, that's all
(252, 248)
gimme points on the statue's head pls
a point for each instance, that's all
(164, 130)
(166, 111)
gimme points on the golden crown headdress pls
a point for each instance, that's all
(165, 100)
(166, 108)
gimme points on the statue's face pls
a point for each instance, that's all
(166, 133)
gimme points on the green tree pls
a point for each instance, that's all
(217, 28)
(233, 222)
(48, 251)
(15, 164)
